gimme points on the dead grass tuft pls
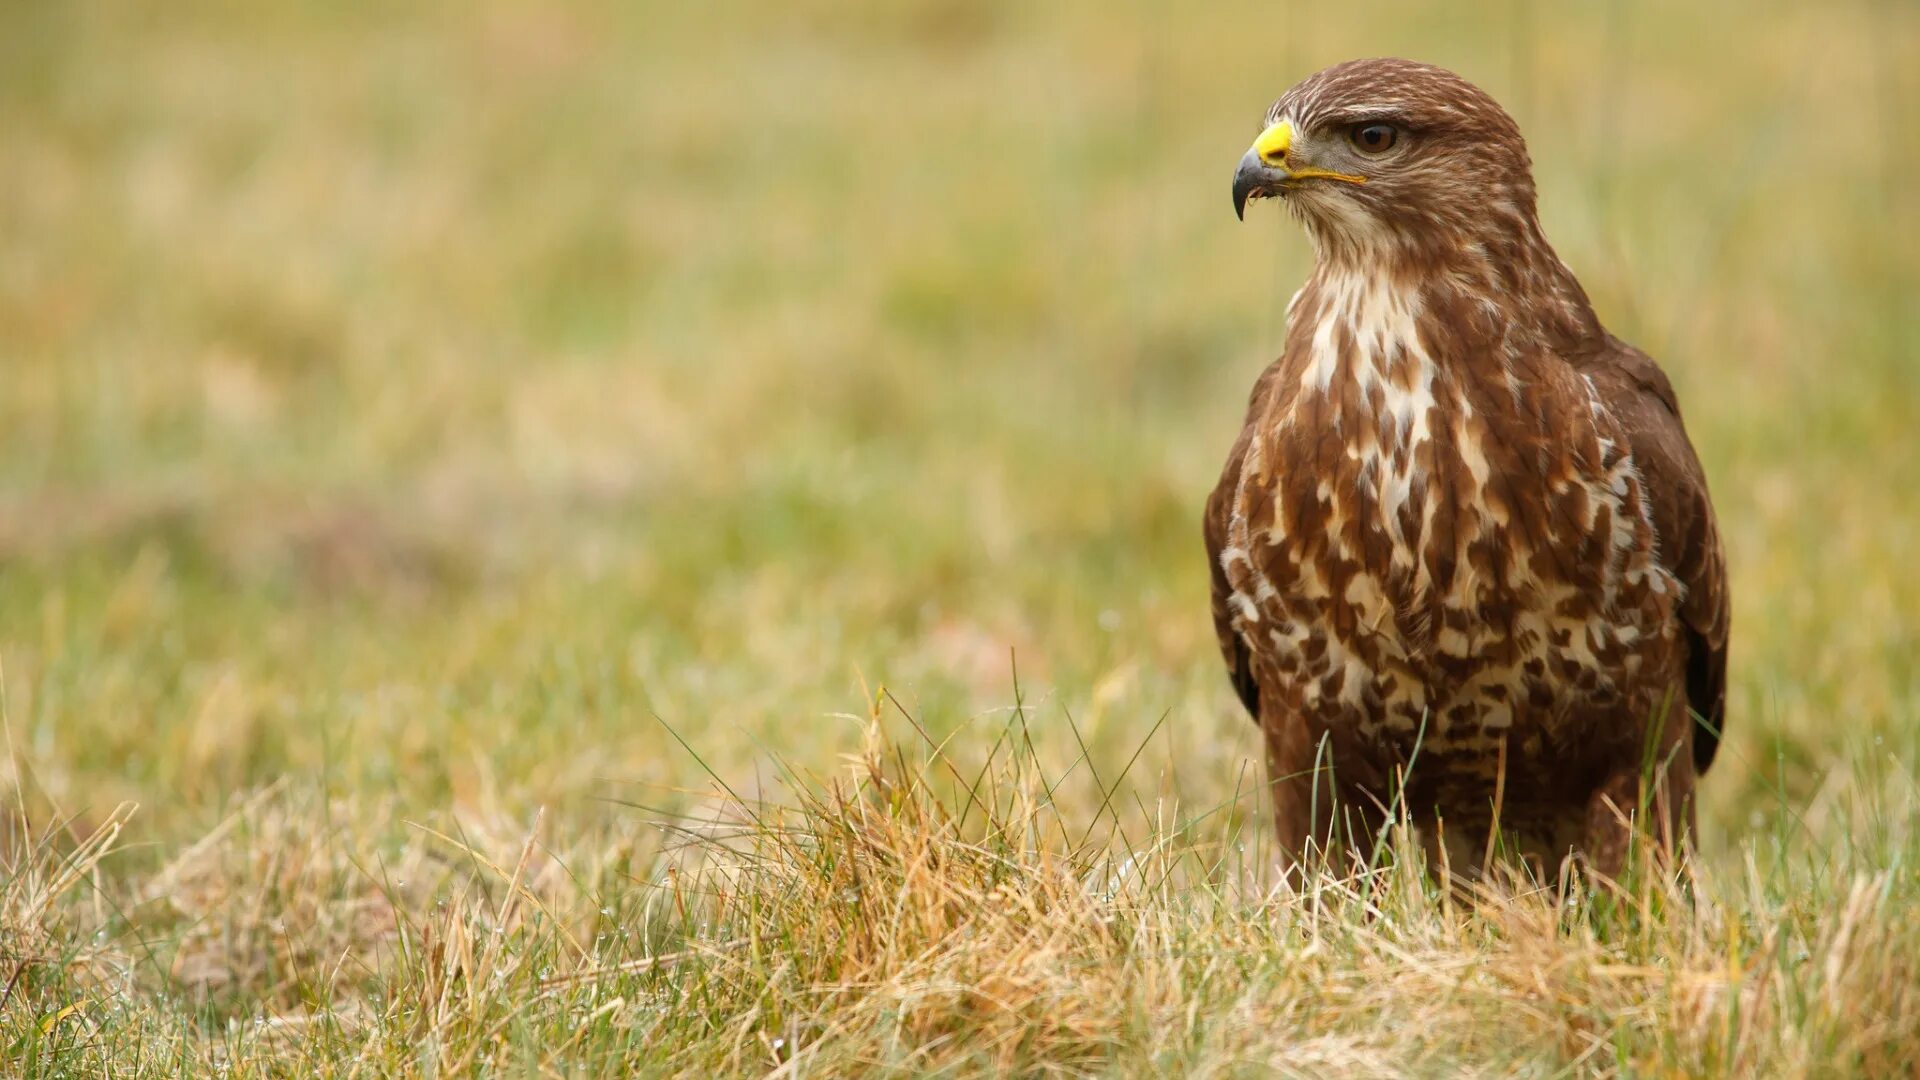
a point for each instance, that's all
(900, 917)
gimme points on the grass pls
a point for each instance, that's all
(467, 471)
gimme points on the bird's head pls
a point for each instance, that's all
(1373, 155)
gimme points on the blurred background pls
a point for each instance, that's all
(408, 403)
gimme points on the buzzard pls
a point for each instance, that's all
(1462, 551)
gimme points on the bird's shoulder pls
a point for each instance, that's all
(1257, 419)
(1622, 371)
(1633, 389)
(1636, 392)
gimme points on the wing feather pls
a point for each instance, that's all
(1639, 396)
(1233, 648)
(1217, 524)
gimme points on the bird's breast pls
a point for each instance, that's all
(1416, 532)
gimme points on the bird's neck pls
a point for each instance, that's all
(1496, 289)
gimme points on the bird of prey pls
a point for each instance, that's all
(1464, 564)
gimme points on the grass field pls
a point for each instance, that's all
(468, 472)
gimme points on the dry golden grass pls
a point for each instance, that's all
(908, 915)
(412, 418)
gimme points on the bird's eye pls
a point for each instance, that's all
(1373, 138)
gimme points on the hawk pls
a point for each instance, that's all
(1462, 552)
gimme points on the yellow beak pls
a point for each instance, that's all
(1271, 147)
(1265, 170)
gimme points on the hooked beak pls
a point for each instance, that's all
(1254, 179)
(1266, 169)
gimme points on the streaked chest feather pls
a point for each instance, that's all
(1423, 535)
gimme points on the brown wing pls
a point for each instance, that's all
(1638, 394)
(1233, 648)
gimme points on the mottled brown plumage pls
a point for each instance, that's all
(1462, 541)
